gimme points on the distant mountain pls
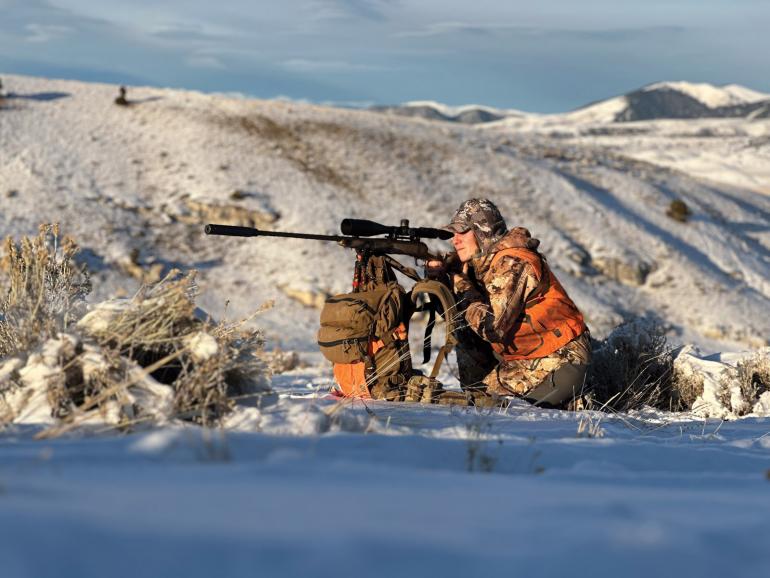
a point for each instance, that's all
(469, 114)
(678, 100)
(662, 100)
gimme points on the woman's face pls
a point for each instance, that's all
(465, 244)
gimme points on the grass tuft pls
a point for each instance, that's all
(633, 367)
(43, 290)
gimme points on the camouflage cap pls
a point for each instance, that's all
(481, 216)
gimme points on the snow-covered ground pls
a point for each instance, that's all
(309, 488)
(312, 486)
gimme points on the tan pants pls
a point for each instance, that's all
(552, 380)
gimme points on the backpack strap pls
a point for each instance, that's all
(403, 269)
(438, 295)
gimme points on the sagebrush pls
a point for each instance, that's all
(634, 367)
(117, 358)
(43, 290)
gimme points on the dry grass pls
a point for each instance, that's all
(686, 388)
(288, 141)
(752, 376)
(206, 388)
(155, 320)
(632, 368)
(679, 211)
(101, 362)
(208, 364)
(43, 290)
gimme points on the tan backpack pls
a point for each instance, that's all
(364, 334)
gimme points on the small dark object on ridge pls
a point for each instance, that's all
(121, 100)
(678, 211)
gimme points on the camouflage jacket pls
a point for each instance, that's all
(496, 294)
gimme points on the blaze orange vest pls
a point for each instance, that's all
(549, 319)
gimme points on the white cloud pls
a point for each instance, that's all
(205, 61)
(335, 103)
(40, 33)
(373, 10)
(303, 65)
(439, 28)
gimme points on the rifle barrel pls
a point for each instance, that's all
(234, 231)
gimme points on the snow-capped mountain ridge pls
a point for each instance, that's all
(710, 95)
(660, 100)
(466, 114)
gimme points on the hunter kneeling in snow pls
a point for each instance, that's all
(523, 336)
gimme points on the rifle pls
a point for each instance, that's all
(357, 234)
(398, 240)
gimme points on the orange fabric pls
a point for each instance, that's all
(351, 377)
(548, 321)
(399, 333)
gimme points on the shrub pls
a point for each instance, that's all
(633, 367)
(207, 364)
(117, 359)
(686, 388)
(43, 290)
(742, 386)
(679, 211)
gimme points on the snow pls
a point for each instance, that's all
(307, 485)
(202, 346)
(599, 113)
(102, 314)
(453, 111)
(394, 490)
(713, 96)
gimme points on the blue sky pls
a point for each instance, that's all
(546, 56)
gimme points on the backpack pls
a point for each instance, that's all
(364, 333)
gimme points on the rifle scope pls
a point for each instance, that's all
(365, 228)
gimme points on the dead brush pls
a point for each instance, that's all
(77, 386)
(686, 388)
(100, 364)
(43, 289)
(208, 384)
(207, 364)
(154, 322)
(752, 376)
(633, 367)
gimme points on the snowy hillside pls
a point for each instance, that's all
(134, 185)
